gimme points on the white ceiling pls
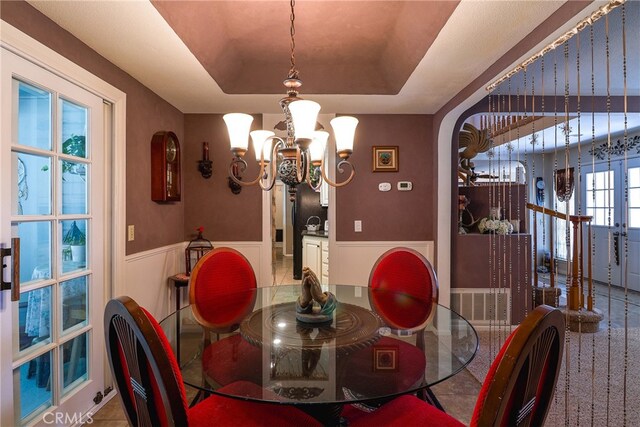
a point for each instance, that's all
(134, 36)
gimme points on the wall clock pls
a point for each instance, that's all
(165, 167)
(540, 191)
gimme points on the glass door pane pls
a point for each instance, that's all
(34, 117)
(52, 217)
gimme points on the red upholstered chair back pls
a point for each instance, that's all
(408, 271)
(518, 388)
(145, 371)
(222, 289)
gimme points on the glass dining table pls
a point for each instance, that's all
(378, 344)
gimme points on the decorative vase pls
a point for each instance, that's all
(495, 213)
(78, 253)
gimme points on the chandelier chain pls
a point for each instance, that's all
(293, 72)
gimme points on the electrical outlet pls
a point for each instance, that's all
(357, 226)
(131, 233)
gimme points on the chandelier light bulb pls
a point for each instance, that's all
(318, 145)
(344, 128)
(304, 114)
(261, 142)
(238, 125)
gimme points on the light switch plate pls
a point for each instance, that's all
(131, 233)
(357, 226)
(384, 186)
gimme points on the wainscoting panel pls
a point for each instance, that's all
(350, 262)
(147, 278)
(147, 274)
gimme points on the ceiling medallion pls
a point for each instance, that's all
(301, 157)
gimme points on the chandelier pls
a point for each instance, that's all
(301, 156)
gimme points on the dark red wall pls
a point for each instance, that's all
(392, 215)
(209, 202)
(156, 224)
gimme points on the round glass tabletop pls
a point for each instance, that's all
(377, 345)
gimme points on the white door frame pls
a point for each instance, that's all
(30, 49)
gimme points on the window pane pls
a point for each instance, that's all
(634, 177)
(74, 362)
(74, 245)
(634, 218)
(589, 199)
(74, 188)
(34, 117)
(74, 302)
(32, 382)
(74, 129)
(32, 188)
(589, 181)
(600, 180)
(35, 245)
(600, 199)
(34, 318)
(634, 198)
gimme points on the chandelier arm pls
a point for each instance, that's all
(301, 165)
(339, 167)
(274, 152)
(243, 165)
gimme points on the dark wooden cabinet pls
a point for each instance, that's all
(165, 167)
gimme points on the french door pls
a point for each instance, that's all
(52, 157)
(611, 194)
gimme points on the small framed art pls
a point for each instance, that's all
(385, 159)
(385, 359)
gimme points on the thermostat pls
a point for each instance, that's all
(384, 186)
(405, 185)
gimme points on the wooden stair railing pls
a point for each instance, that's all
(575, 293)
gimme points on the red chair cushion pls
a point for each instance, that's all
(402, 270)
(482, 396)
(403, 411)
(232, 359)
(410, 363)
(174, 363)
(220, 284)
(227, 412)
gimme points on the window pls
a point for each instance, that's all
(561, 229)
(600, 191)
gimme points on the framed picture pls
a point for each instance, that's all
(385, 159)
(385, 359)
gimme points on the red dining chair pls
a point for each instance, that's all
(220, 289)
(402, 290)
(222, 292)
(517, 390)
(150, 384)
(409, 272)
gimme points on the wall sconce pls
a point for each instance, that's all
(234, 186)
(204, 165)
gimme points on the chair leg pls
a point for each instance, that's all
(429, 396)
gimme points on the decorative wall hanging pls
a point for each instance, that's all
(564, 184)
(204, 165)
(618, 149)
(165, 167)
(385, 159)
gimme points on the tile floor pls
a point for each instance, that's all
(458, 394)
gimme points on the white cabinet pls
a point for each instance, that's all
(324, 194)
(324, 246)
(315, 255)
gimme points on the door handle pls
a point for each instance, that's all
(14, 283)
